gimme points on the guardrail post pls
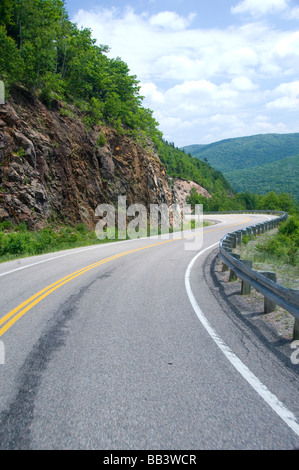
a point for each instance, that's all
(232, 240)
(232, 274)
(296, 329)
(224, 267)
(245, 286)
(269, 306)
(239, 237)
(227, 247)
(288, 298)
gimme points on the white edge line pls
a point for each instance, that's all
(287, 416)
(81, 250)
(71, 252)
(93, 247)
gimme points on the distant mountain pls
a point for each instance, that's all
(257, 164)
(279, 176)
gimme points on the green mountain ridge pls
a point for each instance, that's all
(245, 152)
(257, 164)
(279, 176)
(57, 78)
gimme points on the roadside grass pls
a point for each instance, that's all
(287, 275)
(20, 242)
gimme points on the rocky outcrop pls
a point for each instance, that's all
(53, 169)
(182, 189)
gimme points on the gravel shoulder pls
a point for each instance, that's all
(287, 276)
(274, 329)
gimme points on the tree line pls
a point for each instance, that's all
(42, 50)
(245, 201)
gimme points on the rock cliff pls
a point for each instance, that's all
(182, 189)
(53, 169)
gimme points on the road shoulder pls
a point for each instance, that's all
(248, 310)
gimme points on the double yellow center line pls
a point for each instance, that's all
(14, 315)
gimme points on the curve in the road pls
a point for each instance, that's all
(286, 415)
(133, 310)
(14, 315)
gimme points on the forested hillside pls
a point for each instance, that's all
(74, 132)
(279, 176)
(44, 52)
(245, 152)
(181, 165)
(258, 164)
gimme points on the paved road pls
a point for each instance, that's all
(123, 346)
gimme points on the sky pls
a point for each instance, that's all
(209, 70)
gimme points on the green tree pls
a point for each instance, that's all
(6, 13)
(269, 202)
(40, 26)
(49, 55)
(287, 203)
(11, 64)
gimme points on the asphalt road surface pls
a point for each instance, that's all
(123, 346)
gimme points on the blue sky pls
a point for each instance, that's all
(208, 70)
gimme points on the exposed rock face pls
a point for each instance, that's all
(182, 189)
(52, 168)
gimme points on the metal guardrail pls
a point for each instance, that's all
(280, 295)
(271, 212)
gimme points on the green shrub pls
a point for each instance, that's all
(16, 244)
(19, 241)
(6, 225)
(290, 229)
(82, 229)
(245, 239)
(101, 140)
(285, 244)
(22, 227)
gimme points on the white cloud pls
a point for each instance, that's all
(171, 21)
(152, 92)
(204, 82)
(293, 14)
(289, 45)
(260, 7)
(243, 84)
(183, 54)
(287, 96)
(237, 60)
